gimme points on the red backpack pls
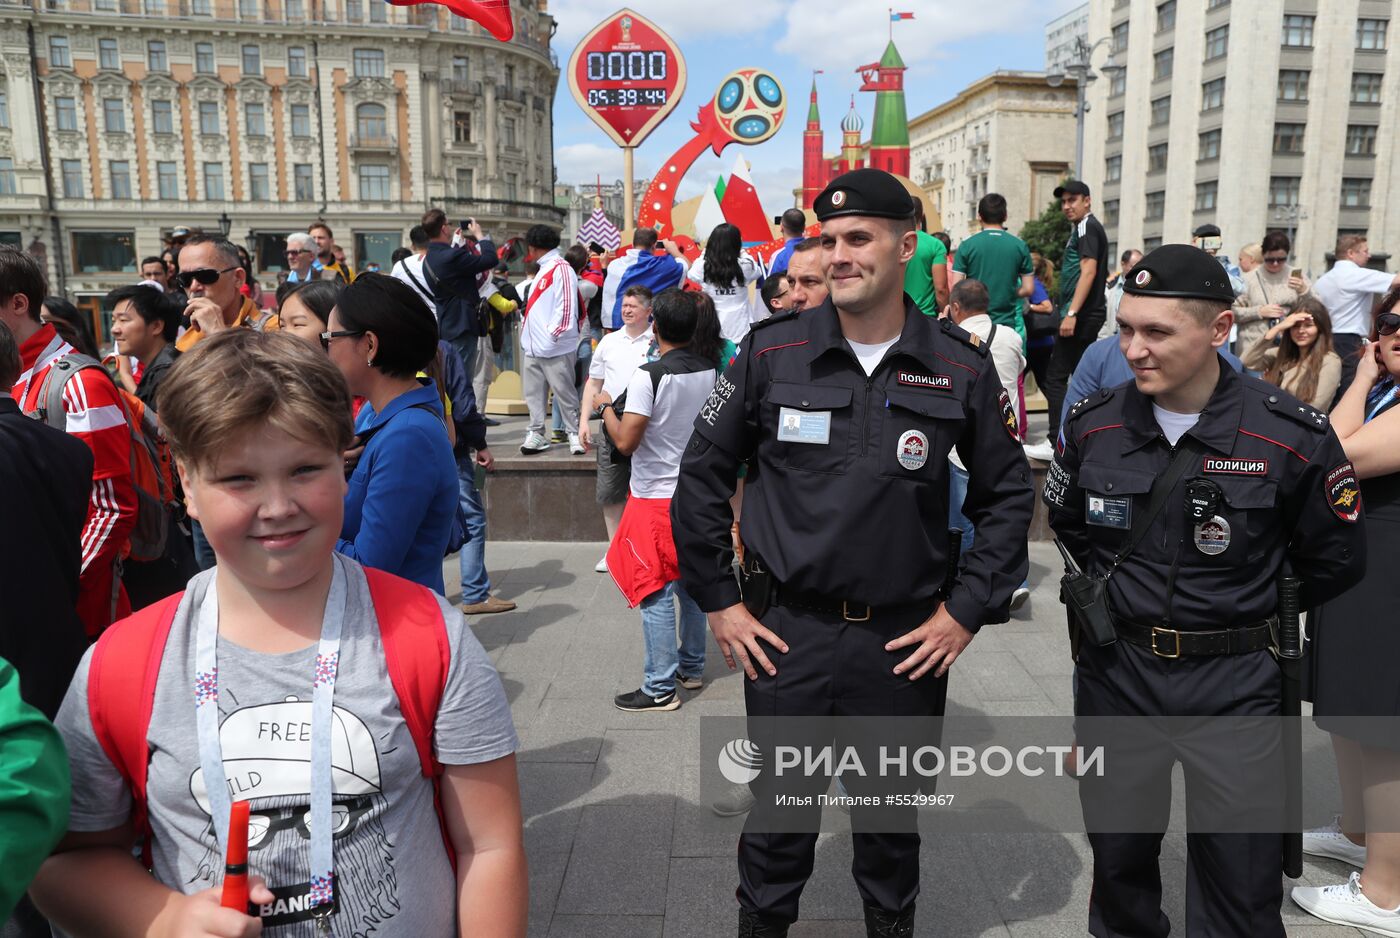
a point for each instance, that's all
(126, 664)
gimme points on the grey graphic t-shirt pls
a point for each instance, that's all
(392, 873)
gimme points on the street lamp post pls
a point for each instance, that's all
(1080, 67)
(225, 223)
(1289, 216)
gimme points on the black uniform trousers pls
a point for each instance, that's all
(836, 668)
(1234, 884)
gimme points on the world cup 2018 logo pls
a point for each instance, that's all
(626, 24)
(749, 105)
(740, 762)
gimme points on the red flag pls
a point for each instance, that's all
(492, 14)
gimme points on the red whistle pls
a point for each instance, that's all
(235, 895)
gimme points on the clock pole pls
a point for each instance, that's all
(628, 196)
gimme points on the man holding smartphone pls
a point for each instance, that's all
(450, 270)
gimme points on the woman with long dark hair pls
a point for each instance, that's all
(1302, 363)
(78, 333)
(723, 271)
(1271, 291)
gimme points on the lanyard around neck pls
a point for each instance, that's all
(206, 698)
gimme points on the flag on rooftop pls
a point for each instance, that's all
(896, 17)
(598, 228)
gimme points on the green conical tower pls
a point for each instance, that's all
(889, 134)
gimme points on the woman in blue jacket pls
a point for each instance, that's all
(402, 498)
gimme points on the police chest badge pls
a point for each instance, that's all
(1008, 416)
(912, 451)
(1344, 493)
(1212, 536)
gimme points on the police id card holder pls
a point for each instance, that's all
(804, 426)
(1105, 512)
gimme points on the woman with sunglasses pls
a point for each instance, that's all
(1356, 696)
(1296, 354)
(1270, 291)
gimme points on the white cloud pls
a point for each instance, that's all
(681, 21)
(582, 163)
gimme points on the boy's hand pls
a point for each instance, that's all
(201, 916)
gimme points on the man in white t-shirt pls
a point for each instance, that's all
(1349, 291)
(410, 269)
(618, 355)
(662, 401)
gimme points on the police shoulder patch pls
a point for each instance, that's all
(774, 320)
(1009, 417)
(1343, 492)
(954, 331)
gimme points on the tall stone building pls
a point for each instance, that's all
(121, 119)
(1251, 116)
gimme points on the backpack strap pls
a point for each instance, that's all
(417, 655)
(121, 694)
(50, 398)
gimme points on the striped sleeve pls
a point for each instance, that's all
(95, 415)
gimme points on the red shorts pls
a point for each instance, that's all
(642, 555)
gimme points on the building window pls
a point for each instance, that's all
(296, 62)
(252, 60)
(378, 13)
(1283, 191)
(510, 78)
(1115, 125)
(1205, 195)
(296, 10)
(97, 251)
(259, 183)
(371, 122)
(1118, 84)
(1217, 4)
(202, 7)
(66, 110)
(374, 183)
(1120, 37)
(462, 127)
(204, 58)
(1370, 34)
(1157, 158)
(1298, 30)
(369, 63)
(7, 176)
(1209, 145)
(1110, 212)
(1213, 94)
(253, 120)
(162, 118)
(512, 187)
(1113, 169)
(108, 56)
(214, 181)
(72, 178)
(1293, 84)
(209, 117)
(1162, 64)
(1365, 88)
(1166, 16)
(1161, 110)
(354, 11)
(464, 183)
(1288, 138)
(1217, 42)
(121, 179)
(303, 183)
(460, 68)
(1361, 140)
(1156, 206)
(508, 133)
(155, 56)
(167, 180)
(248, 9)
(301, 120)
(1151, 244)
(4, 110)
(1356, 193)
(113, 116)
(59, 56)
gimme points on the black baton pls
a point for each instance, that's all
(1290, 659)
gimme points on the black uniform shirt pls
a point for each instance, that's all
(1285, 484)
(862, 516)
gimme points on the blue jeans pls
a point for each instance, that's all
(957, 521)
(466, 348)
(203, 553)
(471, 559)
(663, 658)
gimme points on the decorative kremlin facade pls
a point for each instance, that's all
(888, 148)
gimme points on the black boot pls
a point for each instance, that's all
(882, 924)
(753, 925)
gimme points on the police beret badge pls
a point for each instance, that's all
(1143, 278)
(1344, 493)
(1008, 416)
(838, 198)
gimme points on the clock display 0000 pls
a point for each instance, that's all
(627, 75)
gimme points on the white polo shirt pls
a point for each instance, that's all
(671, 414)
(617, 356)
(1348, 291)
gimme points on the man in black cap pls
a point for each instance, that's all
(1189, 490)
(845, 415)
(1207, 238)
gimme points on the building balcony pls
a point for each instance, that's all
(461, 86)
(373, 143)
(508, 209)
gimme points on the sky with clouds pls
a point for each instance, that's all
(948, 45)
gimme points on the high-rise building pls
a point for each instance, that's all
(1251, 116)
(121, 119)
(1063, 34)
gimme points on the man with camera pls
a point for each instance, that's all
(451, 270)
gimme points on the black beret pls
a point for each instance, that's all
(864, 192)
(1180, 270)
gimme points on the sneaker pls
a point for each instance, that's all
(1018, 598)
(1345, 904)
(690, 681)
(489, 422)
(601, 566)
(534, 444)
(735, 801)
(639, 701)
(1330, 842)
(557, 436)
(575, 444)
(487, 606)
(1042, 451)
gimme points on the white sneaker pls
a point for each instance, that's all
(1330, 842)
(601, 566)
(1346, 904)
(1019, 597)
(1042, 451)
(576, 445)
(535, 442)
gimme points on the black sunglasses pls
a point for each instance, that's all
(1275, 260)
(1388, 323)
(337, 334)
(205, 275)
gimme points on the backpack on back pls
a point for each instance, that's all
(125, 667)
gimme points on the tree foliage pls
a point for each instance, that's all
(1048, 234)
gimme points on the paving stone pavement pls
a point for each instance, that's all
(613, 819)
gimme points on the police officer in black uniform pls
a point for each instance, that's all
(846, 414)
(1251, 479)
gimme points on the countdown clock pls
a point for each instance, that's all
(627, 75)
